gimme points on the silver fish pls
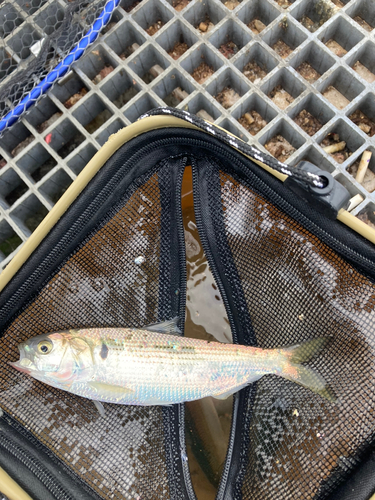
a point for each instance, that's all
(144, 367)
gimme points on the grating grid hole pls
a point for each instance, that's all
(204, 16)
(340, 88)
(340, 37)
(92, 113)
(9, 240)
(363, 13)
(257, 15)
(229, 39)
(368, 182)
(312, 14)
(54, 187)
(282, 141)
(12, 187)
(129, 5)
(342, 141)
(64, 138)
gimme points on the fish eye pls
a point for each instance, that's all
(44, 347)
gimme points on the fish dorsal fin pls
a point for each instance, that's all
(169, 326)
(109, 391)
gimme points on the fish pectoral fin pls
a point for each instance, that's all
(169, 326)
(100, 408)
(109, 390)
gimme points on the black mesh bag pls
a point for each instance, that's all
(288, 269)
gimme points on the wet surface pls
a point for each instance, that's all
(208, 420)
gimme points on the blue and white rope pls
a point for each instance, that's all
(61, 69)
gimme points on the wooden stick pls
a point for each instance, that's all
(363, 164)
(335, 148)
(354, 202)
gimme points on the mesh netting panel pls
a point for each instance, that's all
(296, 288)
(35, 35)
(122, 455)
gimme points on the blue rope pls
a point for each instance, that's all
(61, 69)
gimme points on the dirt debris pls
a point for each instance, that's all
(309, 24)
(102, 74)
(202, 72)
(154, 28)
(227, 97)
(43, 126)
(180, 5)
(308, 72)
(179, 49)
(309, 123)
(369, 180)
(364, 72)
(2, 162)
(108, 28)
(228, 49)
(282, 49)
(338, 3)
(280, 97)
(362, 23)
(368, 219)
(254, 72)
(280, 148)
(336, 48)
(252, 121)
(231, 4)
(363, 122)
(22, 145)
(256, 26)
(334, 138)
(285, 3)
(205, 26)
(129, 51)
(75, 98)
(335, 97)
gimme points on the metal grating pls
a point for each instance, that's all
(267, 71)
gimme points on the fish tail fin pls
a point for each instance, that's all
(307, 377)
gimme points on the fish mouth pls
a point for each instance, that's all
(24, 364)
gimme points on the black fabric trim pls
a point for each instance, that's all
(172, 303)
(65, 484)
(210, 223)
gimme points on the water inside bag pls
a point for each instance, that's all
(207, 421)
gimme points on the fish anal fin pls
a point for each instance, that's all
(109, 391)
(225, 395)
(169, 326)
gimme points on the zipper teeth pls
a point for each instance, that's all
(228, 460)
(183, 278)
(38, 470)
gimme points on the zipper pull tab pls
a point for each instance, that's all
(327, 200)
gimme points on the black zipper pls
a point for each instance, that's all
(207, 236)
(182, 296)
(35, 466)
